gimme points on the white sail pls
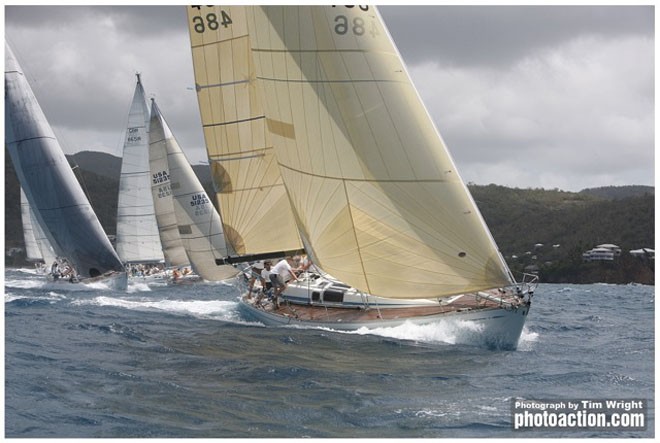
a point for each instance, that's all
(46, 249)
(138, 240)
(175, 254)
(255, 210)
(32, 251)
(59, 204)
(199, 225)
(37, 246)
(377, 197)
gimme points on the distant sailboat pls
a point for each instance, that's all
(376, 200)
(161, 191)
(198, 223)
(138, 240)
(37, 247)
(52, 190)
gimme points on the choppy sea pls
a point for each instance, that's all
(180, 361)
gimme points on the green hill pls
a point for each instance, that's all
(520, 220)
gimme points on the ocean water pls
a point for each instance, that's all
(161, 361)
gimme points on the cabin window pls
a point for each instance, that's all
(316, 296)
(333, 296)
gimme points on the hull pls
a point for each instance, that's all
(113, 280)
(493, 319)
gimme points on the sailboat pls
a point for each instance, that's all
(197, 222)
(60, 206)
(375, 198)
(37, 247)
(138, 241)
(161, 192)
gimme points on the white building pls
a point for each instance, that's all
(643, 253)
(613, 248)
(600, 254)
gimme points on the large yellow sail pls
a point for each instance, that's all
(376, 196)
(253, 203)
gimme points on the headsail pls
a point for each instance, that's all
(199, 225)
(376, 196)
(175, 254)
(138, 240)
(255, 209)
(59, 204)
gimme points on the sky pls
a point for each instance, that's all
(553, 97)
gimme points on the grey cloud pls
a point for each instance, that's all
(497, 35)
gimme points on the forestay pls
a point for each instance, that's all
(253, 203)
(377, 198)
(60, 206)
(138, 240)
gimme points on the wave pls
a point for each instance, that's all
(207, 309)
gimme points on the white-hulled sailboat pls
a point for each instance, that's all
(138, 240)
(137, 232)
(37, 247)
(60, 206)
(197, 222)
(375, 196)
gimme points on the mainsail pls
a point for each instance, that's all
(252, 199)
(60, 206)
(199, 225)
(138, 240)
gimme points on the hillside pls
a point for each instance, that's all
(619, 192)
(519, 219)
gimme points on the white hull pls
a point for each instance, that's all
(159, 279)
(491, 319)
(498, 328)
(117, 281)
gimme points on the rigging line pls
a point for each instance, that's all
(243, 157)
(305, 81)
(81, 179)
(220, 85)
(233, 122)
(365, 180)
